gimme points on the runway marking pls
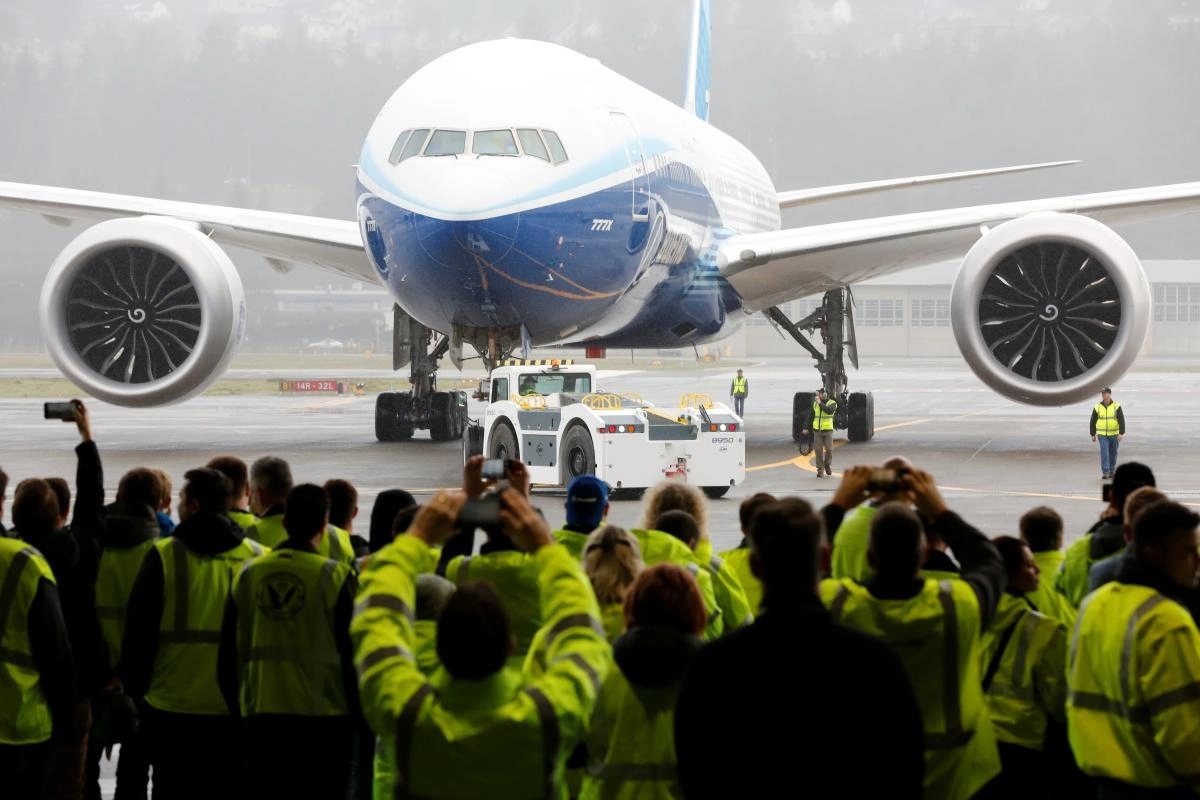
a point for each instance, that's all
(331, 403)
(979, 450)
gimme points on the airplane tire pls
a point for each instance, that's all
(578, 454)
(860, 424)
(801, 410)
(442, 410)
(387, 422)
(504, 442)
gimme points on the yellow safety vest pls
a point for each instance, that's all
(1046, 598)
(731, 597)
(936, 634)
(384, 785)
(268, 531)
(631, 742)
(195, 588)
(850, 545)
(662, 548)
(515, 578)
(739, 385)
(821, 420)
(114, 583)
(739, 561)
(1133, 679)
(574, 541)
(1030, 679)
(25, 715)
(1106, 419)
(244, 519)
(336, 544)
(287, 650)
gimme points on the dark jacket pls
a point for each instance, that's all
(654, 656)
(1131, 569)
(1096, 418)
(228, 677)
(128, 525)
(204, 534)
(817, 710)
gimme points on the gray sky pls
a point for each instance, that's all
(265, 103)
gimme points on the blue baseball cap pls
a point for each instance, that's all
(587, 496)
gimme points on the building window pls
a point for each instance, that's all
(930, 314)
(1176, 302)
(882, 314)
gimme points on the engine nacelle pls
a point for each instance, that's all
(142, 311)
(1049, 308)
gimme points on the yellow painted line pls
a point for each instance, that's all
(895, 425)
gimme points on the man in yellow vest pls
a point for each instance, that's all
(270, 482)
(936, 628)
(821, 424)
(285, 663)
(169, 650)
(37, 671)
(739, 559)
(739, 390)
(343, 510)
(1042, 529)
(478, 728)
(1108, 426)
(235, 469)
(1133, 673)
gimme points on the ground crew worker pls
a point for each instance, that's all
(730, 597)
(235, 469)
(343, 510)
(739, 390)
(936, 626)
(850, 541)
(631, 740)
(821, 424)
(37, 670)
(1106, 538)
(477, 728)
(1042, 529)
(587, 508)
(1108, 426)
(1024, 659)
(270, 483)
(1134, 666)
(169, 650)
(612, 561)
(739, 558)
(285, 664)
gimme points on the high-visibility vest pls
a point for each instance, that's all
(850, 545)
(244, 519)
(739, 561)
(631, 742)
(1072, 581)
(739, 385)
(287, 649)
(25, 718)
(336, 544)
(1046, 598)
(1030, 678)
(662, 548)
(731, 598)
(574, 541)
(936, 634)
(114, 583)
(268, 531)
(1106, 419)
(195, 588)
(1133, 680)
(514, 575)
(613, 617)
(821, 420)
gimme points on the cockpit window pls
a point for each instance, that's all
(557, 153)
(414, 143)
(398, 147)
(446, 143)
(494, 143)
(531, 143)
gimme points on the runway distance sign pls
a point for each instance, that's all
(308, 387)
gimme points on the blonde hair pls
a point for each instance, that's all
(612, 560)
(673, 495)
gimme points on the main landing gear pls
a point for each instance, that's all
(835, 320)
(399, 414)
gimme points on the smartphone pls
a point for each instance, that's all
(64, 411)
(494, 469)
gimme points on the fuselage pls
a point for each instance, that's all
(515, 190)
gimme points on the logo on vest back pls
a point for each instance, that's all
(281, 596)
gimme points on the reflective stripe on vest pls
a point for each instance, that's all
(8, 594)
(739, 385)
(118, 571)
(1106, 419)
(821, 420)
(24, 713)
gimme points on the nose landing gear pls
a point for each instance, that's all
(399, 414)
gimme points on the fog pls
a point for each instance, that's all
(264, 103)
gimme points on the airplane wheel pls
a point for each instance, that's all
(387, 423)
(442, 408)
(860, 425)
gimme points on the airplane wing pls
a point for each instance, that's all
(284, 239)
(799, 197)
(777, 266)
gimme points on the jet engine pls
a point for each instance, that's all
(142, 311)
(1049, 308)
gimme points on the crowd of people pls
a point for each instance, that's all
(880, 646)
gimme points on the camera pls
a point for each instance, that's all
(64, 411)
(483, 511)
(887, 480)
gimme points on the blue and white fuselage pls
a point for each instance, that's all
(518, 184)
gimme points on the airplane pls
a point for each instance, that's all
(515, 193)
